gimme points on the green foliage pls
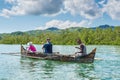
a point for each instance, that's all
(97, 36)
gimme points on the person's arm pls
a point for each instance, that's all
(43, 46)
(81, 47)
(77, 47)
(28, 49)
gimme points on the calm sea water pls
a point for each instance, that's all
(105, 67)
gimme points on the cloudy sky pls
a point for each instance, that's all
(24, 15)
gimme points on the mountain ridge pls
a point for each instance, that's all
(55, 29)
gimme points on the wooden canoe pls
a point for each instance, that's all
(89, 58)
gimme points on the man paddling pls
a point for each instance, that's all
(82, 48)
(47, 47)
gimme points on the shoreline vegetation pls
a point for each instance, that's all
(97, 36)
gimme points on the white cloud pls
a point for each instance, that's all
(89, 9)
(10, 1)
(64, 24)
(33, 7)
(14, 11)
(86, 8)
(112, 8)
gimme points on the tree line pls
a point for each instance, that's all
(98, 36)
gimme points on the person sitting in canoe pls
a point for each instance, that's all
(82, 48)
(47, 47)
(31, 47)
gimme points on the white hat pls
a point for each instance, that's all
(29, 43)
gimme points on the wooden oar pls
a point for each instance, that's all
(98, 59)
(15, 54)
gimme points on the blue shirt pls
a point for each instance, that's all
(48, 47)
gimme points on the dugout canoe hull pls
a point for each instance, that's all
(89, 58)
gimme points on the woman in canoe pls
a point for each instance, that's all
(31, 47)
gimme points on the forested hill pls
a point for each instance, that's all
(103, 34)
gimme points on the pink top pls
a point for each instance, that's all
(32, 48)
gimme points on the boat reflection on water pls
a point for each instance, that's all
(39, 69)
(85, 71)
(47, 69)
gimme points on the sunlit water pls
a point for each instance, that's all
(105, 67)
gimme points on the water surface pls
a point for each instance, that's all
(105, 67)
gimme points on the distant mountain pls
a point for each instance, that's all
(52, 29)
(79, 28)
(75, 28)
(17, 33)
(55, 30)
(105, 26)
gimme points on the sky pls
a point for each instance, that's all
(25, 15)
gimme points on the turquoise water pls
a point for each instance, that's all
(105, 67)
